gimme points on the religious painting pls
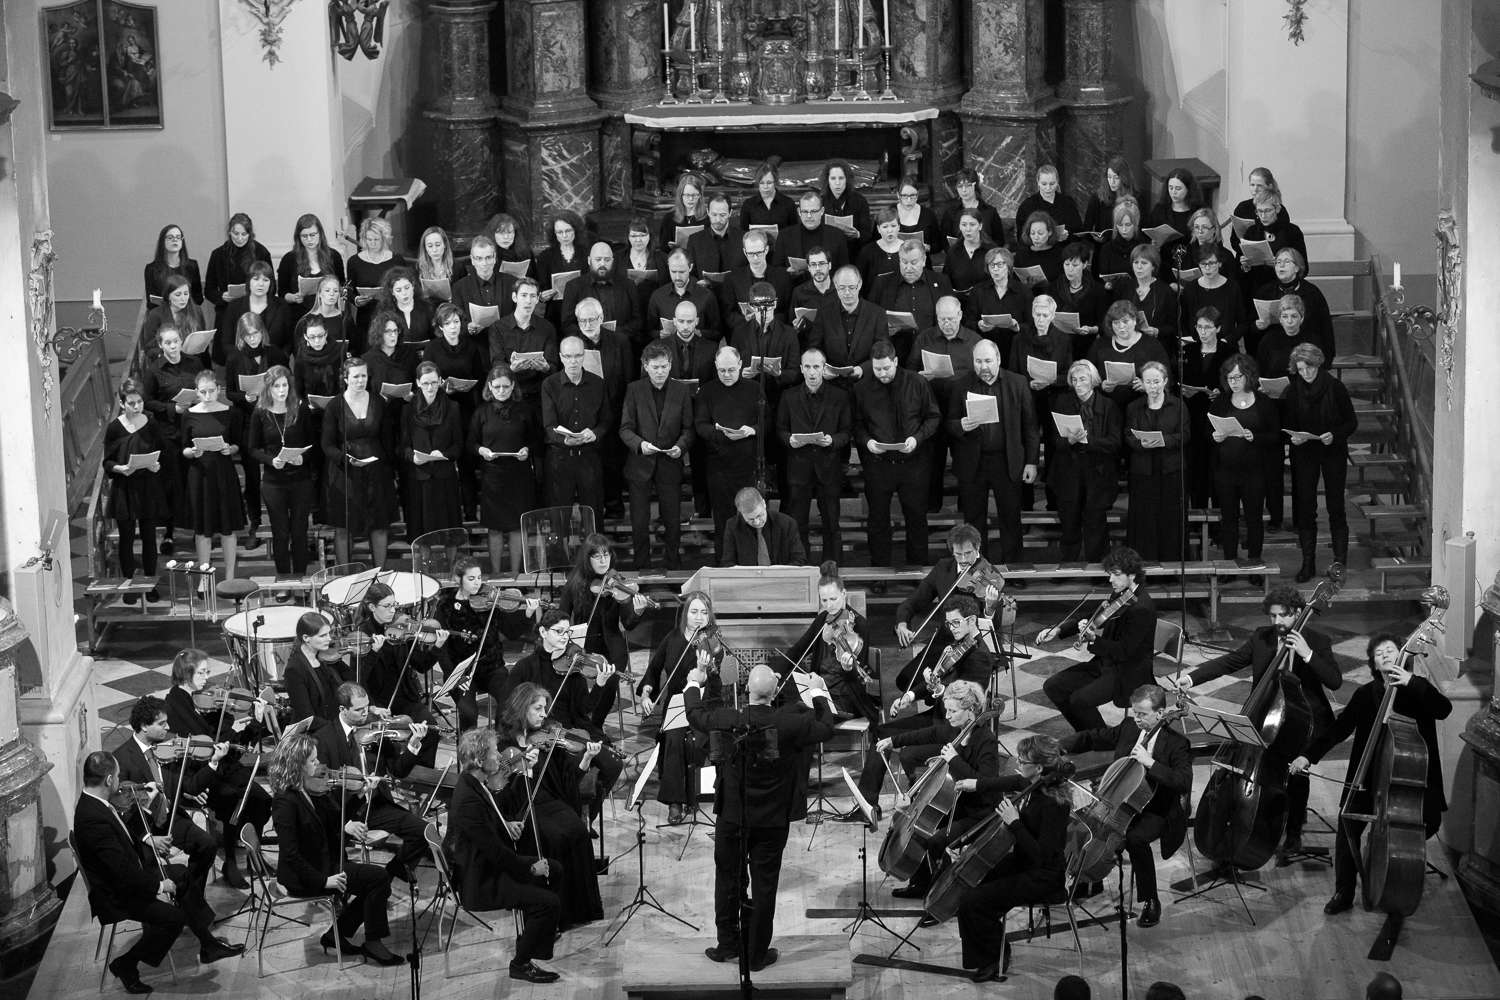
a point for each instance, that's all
(103, 70)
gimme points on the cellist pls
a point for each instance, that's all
(1169, 770)
(1315, 668)
(1418, 699)
(960, 657)
(1122, 647)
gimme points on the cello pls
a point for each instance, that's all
(1241, 814)
(1393, 772)
(1123, 793)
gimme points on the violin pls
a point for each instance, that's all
(621, 590)
(576, 661)
(512, 763)
(503, 599)
(982, 576)
(422, 631)
(199, 748)
(709, 640)
(352, 641)
(847, 643)
(130, 795)
(572, 740)
(344, 779)
(233, 703)
(1108, 608)
(392, 727)
(948, 662)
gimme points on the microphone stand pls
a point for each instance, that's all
(256, 625)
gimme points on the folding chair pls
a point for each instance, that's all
(112, 925)
(448, 889)
(267, 897)
(1169, 642)
(1078, 836)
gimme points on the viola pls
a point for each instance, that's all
(572, 740)
(1123, 792)
(621, 590)
(1108, 608)
(711, 641)
(847, 644)
(502, 599)
(948, 662)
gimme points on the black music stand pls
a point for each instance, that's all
(644, 898)
(864, 913)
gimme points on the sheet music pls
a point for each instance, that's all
(1066, 322)
(483, 316)
(1041, 370)
(437, 288)
(1119, 372)
(1228, 426)
(1257, 253)
(985, 409)
(936, 364)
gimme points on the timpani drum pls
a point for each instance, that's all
(340, 597)
(261, 650)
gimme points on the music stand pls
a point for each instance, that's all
(551, 536)
(674, 719)
(864, 912)
(644, 897)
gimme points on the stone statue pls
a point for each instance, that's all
(795, 174)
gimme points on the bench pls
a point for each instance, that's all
(673, 965)
(1385, 566)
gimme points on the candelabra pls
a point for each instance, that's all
(886, 93)
(1419, 322)
(860, 92)
(667, 96)
(719, 96)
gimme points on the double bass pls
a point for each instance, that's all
(1393, 771)
(1241, 814)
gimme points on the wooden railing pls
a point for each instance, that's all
(1411, 383)
(88, 402)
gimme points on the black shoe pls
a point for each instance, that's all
(132, 598)
(1292, 846)
(915, 890)
(532, 973)
(152, 596)
(220, 948)
(988, 974)
(129, 978)
(601, 866)
(380, 954)
(718, 953)
(1150, 913)
(346, 946)
(1307, 572)
(768, 959)
(234, 878)
(928, 920)
(1340, 902)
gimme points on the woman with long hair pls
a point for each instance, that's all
(564, 253)
(683, 750)
(169, 385)
(510, 243)
(1049, 199)
(591, 597)
(1261, 181)
(360, 481)
(1202, 362)
(392, 361)
(317, 377)
(138, 497)
(282, 421)
(260, 300)
(213, 487)
(400, 296)
(1180, 198)
(176, 309)
(1038, 246)
(689, 208)
(328, 307)
(504, 436)
(917, 221)
(229, 264)
(768, 206)
(1112, 261)
(1239, 465)
(964, 264)
(1117, 181)
(435, 257)
(310, 257)
(244, 385)
(171, 257)
(367, 269)
(842, 200)
(394, 668)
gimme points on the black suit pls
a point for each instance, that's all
(200, 846)
(992, 457)
(381, 812)
(754, 803)
(313, 688)
(490, 874)
(887, 414)
(1171, 778)
(847, 346)
(311, 849)
(665, 419)
(736, 289)
(815, 469)
(1121, 663)
(783, 542)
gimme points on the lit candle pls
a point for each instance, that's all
(719, 23)
(99, 302)
(693, 25)
(666, 27)
(1394, 284)
(836, 19)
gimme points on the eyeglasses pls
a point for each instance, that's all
(559, 630)
(390, 605)
(908, 195)
(755, 253)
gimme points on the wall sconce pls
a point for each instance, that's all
(1487, 79)
(68, 342)
(1418, 322)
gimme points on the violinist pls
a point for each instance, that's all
(466, 607)
(311, 859)
(397, 669)
(1314, 667)
(960, 656)
(146, 759)
(314, 671)
(348, 743)
(755, 800)
(1417, 698)
(1121, 635)
(232, 779)
(956, 567)
(1169, 771)
(1035, 869)
(596, 595)
(690, 644)
(836, 647)
(550, 802)
(124, 885)
(575, 682)
(975, 760)
(490, 869)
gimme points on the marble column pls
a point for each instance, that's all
(624, 72)
(1008, 112)
(549, 126)
(1093, 102)
(926, 63)
(459, 158)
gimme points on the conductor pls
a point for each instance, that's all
(753, 803)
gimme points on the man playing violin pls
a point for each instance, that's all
(1418, 699)
(314, 671)
(962, 567)
(1169, 771)
(559, 666)
(1122, 646)
(1314, 667)
(467, 608)
(923, 681)
(836, 646)
(354, 742)
(125, 885)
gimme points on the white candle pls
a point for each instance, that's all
(836, 19)
(1395, 284)
(666, 27)
(693, 25)
(99, 302)
(719, 23)
(859, 25)
(887, 5)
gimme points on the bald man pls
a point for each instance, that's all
(729, 415)
(617, 296)
(759, 793)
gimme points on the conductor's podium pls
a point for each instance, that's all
(675, 967)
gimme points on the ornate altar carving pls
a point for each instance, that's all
(779, 61)
(39, 298)
(795, 175)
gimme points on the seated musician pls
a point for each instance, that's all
(234, 797)
(314, 671)
(1169, 770)
(1122, 647)
(682, 749)
(758, 537)
(339, 745)
(1035, 869)
(959, 656)
(1314, 667)
(140, 760)
(1417, 698)
(489, 869)
(124, 885)
(551, 666)
(836, 647)
(963, 547)
(975, 759)
(550, 803)
(606, 611)
(396, 673)
(462, 608)
(310, 857)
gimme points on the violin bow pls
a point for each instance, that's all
(672, 674)
(938, 606)
(797, 663)
(146, 825)
(432, 799)
(484, 635)
(411, 650)
(1072, 611)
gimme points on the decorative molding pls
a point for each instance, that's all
(1296, 21)
(269, 14)
(39, 299)
(1450, 276)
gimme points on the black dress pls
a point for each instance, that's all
(682, 750)
(363, 274)
(1153, 524)
(227, 266)
(507, 486)
(359, 496)
(432, 489)
(965, 270)
(142, 495)
(213, 485)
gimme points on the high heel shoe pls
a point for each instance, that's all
(345, 945)
(380, 954)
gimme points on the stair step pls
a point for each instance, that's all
(1382, 511)
(1371, 460)
(1385, 566)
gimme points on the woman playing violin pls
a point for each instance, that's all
(466, 607)
(550, 801)
(492, 869)
(836, 646)
(394, 669)
(1033, 871)
(682, 749)
(597, 595)
(190, 670)
(311, 860)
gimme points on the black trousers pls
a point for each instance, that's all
(386, 815)
(1241, 490)
(252, 488)
(1147, 829)
(128, 533)
(906, 480)
(993, 476)
(1298, 786)
(366, 894)
(1345, 866)
(872, 773)
(981, 913)
(161, 921)
(488, 676)
(666, 483)
(1309, 462)
(576, 475)
(225, 797)
(288, 506)
(1078, 692)
(760, 857)
(797, 505)
(1273, 474)
(540, 909)
(1083, 508)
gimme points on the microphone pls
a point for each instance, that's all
(260, 621)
